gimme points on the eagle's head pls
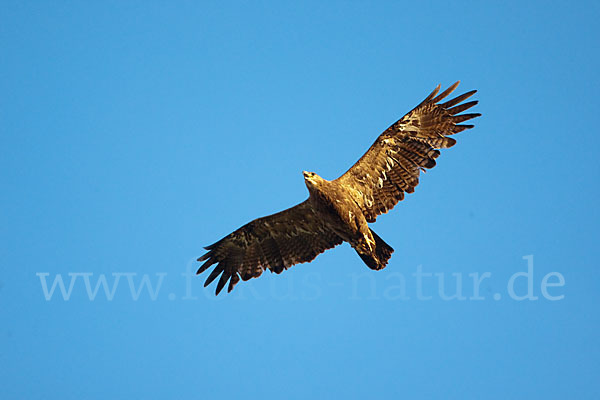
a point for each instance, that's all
(312, 180)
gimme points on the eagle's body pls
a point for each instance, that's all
(339, 210)
(338, 207)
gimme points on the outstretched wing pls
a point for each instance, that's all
(392, 164)
(276, 242)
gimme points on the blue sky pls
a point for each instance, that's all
(134, 133)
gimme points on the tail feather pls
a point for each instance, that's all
(379, 259)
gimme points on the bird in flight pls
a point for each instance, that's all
(340, 210)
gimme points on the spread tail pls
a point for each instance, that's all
(379, 258)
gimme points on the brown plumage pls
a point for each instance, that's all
(338, 211)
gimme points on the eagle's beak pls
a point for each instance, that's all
(305, 174)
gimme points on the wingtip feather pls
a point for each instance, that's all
(462, 107)
(235, 278)
(213, 275)
(432, 94)
(221, 284)
(446, 92)
(206, 265)
(458, 99)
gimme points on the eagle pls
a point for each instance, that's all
(340, 210)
